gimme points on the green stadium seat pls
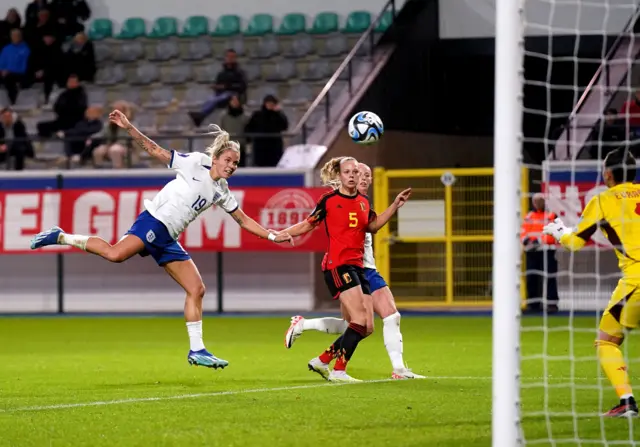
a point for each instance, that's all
(385, 22)
(259, 25)
(195, 26)
(228, 25)
(324, 23)
(357, 22)
(133, 28)
(164, 27)
(101, 29)
(292, 24)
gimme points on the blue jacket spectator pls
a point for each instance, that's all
(14, 61)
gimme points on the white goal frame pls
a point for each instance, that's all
(506, 424)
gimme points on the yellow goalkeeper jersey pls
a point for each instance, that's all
(616, 212)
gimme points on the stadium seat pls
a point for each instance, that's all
(207, 74)
(257, 95)
(133, 28)
(259, 25)
(324, 23)
(267, 47)
(100, 29)
(159, 98)
(102, 51)
(146, 121)
(129, 52)
(164, 27)
(97, 96)
(165, 51)
(175, 123)
(236, 44)
(292, 24)
(385, 22)
(228, 25)
(299, 94)
(316, 71)
(198, 50)
(357, 22)
(178, 74)
(195, 26)
(252, 71)
(28, 99)
(131, 95)
(195, 96)
(301, 47)
(110, 75)
(335, 45)
(146, 74)
(282, 71)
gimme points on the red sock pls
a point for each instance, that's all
(341, 363)
(327, 355)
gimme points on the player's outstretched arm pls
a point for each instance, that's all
(254, 227)
(157, 152)
(299, 229)
(380, 220)
(577, 238)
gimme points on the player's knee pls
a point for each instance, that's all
(197, 291)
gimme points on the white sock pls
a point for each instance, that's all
(75, 240)
(393, 340)
(194, 328)
(329, 325)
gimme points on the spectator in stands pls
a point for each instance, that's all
(68, 15)
(612, 132)
(46, 64)
(631, 111)
(80, 58)
(267, 151)
(45, 26)
(230, 81)
(79, 140)
(10, 22)
(14, 141)
(14, 60)
(234, 120)
(69, 109)
(32, 11)
(114, 141)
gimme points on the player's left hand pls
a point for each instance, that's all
(402, 198)
(283, 237)
(556, 229)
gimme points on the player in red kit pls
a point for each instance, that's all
(348, 216)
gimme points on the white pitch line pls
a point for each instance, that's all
(230, 393)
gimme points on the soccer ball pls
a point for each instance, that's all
(365, 128)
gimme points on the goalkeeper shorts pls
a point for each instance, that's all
(623, 310)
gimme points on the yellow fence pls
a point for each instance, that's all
(437, 250)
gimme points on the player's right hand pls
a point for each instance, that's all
(119, 119)
(283, 237)
(402, 198)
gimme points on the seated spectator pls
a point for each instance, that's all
(234, 120)
(10, 22)
(267, 151)
(14, 141)
(78, 140)
(69, 109)
(46, 66)
(80, 58)
(114, 142)
(31, 13)
(631, 110)
(45, 26)
(14, 60)
(613, 131)
(68, 15)
(230, 81)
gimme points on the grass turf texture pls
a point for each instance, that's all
(267, 397)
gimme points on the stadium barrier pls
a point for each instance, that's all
(243, 272)
(437, 250)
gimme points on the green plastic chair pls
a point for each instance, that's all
(164, 27)
(195, 26)
(385, 22)
(294, 23)
(133, 28)
(100, 29)
(259, 25)
(324, 23)
(357, 22)
(228, 25)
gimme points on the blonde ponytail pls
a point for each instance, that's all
(330, 172)
(221, 142)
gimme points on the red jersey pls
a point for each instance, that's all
(346, 219)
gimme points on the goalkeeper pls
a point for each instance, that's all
(616, 212)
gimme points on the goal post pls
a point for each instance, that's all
(506, 429)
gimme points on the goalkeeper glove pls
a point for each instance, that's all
(556, 229)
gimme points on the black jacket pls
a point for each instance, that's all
(70, 106)
(23, 144)
(267, 151)
(232, 78)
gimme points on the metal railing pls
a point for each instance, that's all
(347, 64)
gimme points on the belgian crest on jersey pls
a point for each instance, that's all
(362, 206)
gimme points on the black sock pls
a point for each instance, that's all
(350, 339)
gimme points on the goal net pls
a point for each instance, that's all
(562, 66)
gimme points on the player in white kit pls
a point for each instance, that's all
(201, 181)
(383, 305)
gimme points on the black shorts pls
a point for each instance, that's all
(345, 277)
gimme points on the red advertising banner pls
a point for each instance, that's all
(109, 213)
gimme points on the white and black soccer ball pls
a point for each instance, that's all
(365, 128)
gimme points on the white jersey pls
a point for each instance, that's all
(369, 260)
(190, 193)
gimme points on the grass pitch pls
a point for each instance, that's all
(126, 382)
